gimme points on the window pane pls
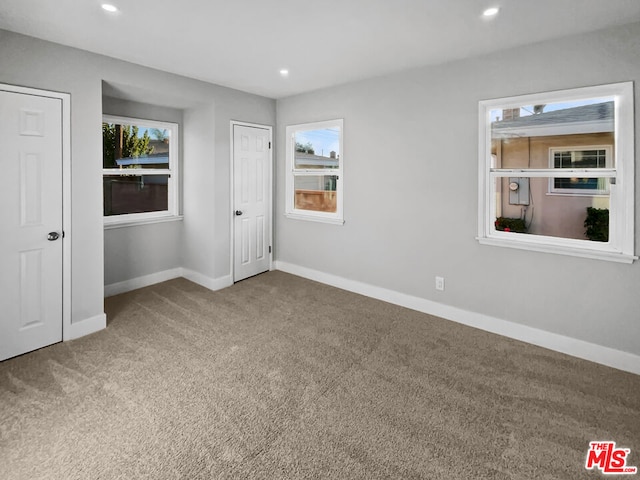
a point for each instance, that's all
(580, 159)
(317, 148)
(523, 137)
(538, 213)
(135, 194)
(135, 146)
(316, 192)
(580, 183)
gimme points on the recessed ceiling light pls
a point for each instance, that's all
(491, 12)
(109, 8)
(284, 72)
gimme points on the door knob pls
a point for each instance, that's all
(52, 236)
(238, 212)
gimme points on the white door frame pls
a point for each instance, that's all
(232, 192)
(66, 196)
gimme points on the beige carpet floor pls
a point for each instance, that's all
(280, 377)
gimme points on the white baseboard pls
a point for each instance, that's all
(146, 280)
(578, 348)
(99, 322)
(207, 282)
(140, 282)
(84, 327)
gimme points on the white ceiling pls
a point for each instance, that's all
(244, 43)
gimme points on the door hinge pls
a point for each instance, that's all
(269, 145)
(269, 248)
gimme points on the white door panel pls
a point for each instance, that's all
(31, 208)
(252, 208)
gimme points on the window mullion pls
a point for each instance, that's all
(555, 172)
(315, 171)
(136, 171)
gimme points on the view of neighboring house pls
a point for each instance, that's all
(573, 137)
(158, 158)
(316, 192)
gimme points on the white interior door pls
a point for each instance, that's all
(30, 222)
(252, 200)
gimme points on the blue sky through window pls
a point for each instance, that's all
(323, 140)
(149, 130)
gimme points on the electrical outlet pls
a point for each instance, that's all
(440, 283)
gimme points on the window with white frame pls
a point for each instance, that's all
(557, 172)
(314, 171)
(577, 158)
(140, 170)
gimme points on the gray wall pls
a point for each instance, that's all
(34, 63)
(411, 183)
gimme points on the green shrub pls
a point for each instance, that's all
(597, 224)
(511, 225)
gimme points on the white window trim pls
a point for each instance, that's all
(172, 212)
(621, 238)
(579, 192)
(336, 218)
(147, 221)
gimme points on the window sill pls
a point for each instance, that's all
(146, 221)
(313, 218)
(559, 250)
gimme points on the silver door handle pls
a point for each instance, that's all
(52, 236)
(238, 212)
